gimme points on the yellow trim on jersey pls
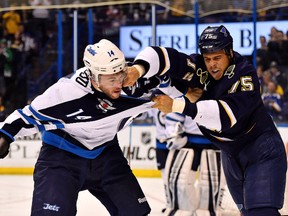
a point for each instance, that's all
(166, 58)
(229, 113)
(251, 128)
(222, 139)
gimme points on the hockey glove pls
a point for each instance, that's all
(4, 147)
(142, 86)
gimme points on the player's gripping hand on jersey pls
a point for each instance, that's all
(163, 102)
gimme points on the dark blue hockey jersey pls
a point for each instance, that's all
(230, 111)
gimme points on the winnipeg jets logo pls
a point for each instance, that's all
(91, 51)
(47, 206)
(105, 105)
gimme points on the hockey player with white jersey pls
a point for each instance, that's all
(193, 169)
(79, 118)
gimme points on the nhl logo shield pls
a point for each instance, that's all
(146, 138)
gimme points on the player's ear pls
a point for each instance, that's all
(94, 83)
(231, 53)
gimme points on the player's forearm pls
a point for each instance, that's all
(185, 107)
(140, 69)
(205, 113)
(153, 61)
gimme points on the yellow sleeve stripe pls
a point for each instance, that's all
(229, 113)
(166, 59)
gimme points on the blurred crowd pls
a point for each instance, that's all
(28, 44)
(272, 69)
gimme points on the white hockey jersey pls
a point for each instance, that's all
(72, 116)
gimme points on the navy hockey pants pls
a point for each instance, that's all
(161, 154)
(256, 176)
(59, 176)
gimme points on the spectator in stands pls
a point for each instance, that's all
(2, 83)
(273, 33)
(141, 13)
(273, 101)
(275, 46)
(24, 48)
(267, 77)
(262, 53)
(17, 42)
(17, 47)
(2, 110)
(260, 71)
(40, 18)
(11, 21)
(114, 15)
(6, 67)
(30, 45)
(277, 75)
(283, 55)
(285, 48)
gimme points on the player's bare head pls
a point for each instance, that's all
(103, 58)
(214, 39)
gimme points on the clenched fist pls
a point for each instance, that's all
(131, 77)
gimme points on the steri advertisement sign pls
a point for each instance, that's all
(182, 37)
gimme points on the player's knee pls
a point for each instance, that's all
(261, 212)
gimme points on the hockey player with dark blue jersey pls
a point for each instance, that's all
(230, 113)
(79, 118)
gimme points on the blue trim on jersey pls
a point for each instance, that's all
(165, 84)
(32, 121)
(161, 145)
(59, 142)
(175, 120)
(199, 140)
(57, 123)
(140, 99)
(7, 134)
